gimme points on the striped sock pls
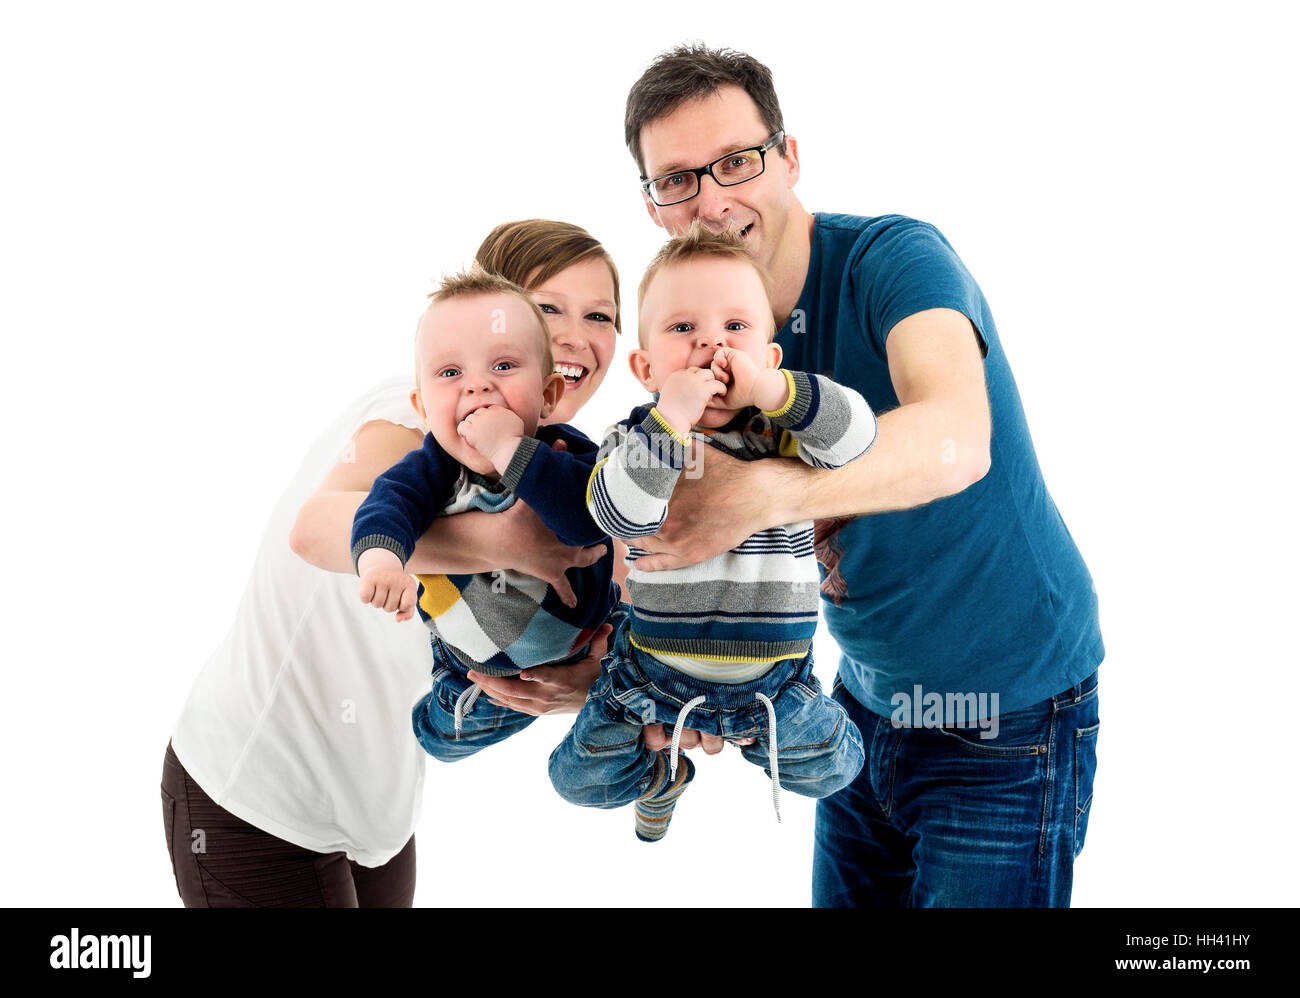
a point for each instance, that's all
(655, 809)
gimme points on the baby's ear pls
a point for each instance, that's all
(774, 355)
(552, 392)
(417, 404)
(639, 361)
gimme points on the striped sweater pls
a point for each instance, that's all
(734, 615)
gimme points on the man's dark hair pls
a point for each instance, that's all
(691, 71)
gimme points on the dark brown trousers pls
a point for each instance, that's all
(232, 864)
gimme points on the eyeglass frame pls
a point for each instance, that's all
(776, 139)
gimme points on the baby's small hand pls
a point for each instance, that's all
(684, 394)
(494, 432)
(747, 383)
(737, 371)
(385, 584)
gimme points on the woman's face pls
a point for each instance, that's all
(579, 306)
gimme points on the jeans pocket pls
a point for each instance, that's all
(169, 827)
(602, 727)
(601, 687)
(808, 722)
(1017, 735)
(1085, 769)
(447, 688)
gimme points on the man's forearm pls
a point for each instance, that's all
(322, 537)
(921, 453)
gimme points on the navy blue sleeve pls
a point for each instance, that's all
(907, 266)
(554, 483)
(404, 500)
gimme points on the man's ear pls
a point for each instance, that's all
(792, 160)
(774, 354)
(652, 208)
(639, 361)
(417, 404)
(552, 392)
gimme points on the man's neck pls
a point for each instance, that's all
(789, 269)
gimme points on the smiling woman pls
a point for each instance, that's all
(574, 282)
(294, 777)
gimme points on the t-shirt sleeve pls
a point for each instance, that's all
(908, 268)
(390, 410)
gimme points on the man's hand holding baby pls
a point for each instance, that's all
(385, 584)
(747, 383)
(494, 432)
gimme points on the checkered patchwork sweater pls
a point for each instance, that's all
(503, 621)
(756, 603)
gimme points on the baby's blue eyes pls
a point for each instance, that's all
(501, 365)
(685, 327)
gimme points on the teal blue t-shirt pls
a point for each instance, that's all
(981, 592)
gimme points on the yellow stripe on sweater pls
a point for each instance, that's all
(592, 477)
(439, 594)
(713, 658)
(775, 413)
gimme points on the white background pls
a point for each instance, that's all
(219, 224)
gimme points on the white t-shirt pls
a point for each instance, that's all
(300, 723)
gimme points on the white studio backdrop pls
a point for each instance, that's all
(219, 225)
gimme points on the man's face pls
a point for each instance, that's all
(693, 308)
(703, 130)
(476, 351)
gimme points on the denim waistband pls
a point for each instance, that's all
(1084, 689)
(677, 687)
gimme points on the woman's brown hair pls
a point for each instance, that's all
(516, 250)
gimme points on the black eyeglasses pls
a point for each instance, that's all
(733, 168)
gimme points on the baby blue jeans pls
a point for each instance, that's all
(603, 761)
(483, 724)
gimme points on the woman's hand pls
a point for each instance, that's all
(548, 689)
(526, 545)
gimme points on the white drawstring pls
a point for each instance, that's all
(771, 753)
(689, 706)
(464, 704)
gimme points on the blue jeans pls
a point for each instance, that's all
(484, 724)
(603, 761)
(940, 817)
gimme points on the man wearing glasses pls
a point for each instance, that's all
(966, 616)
